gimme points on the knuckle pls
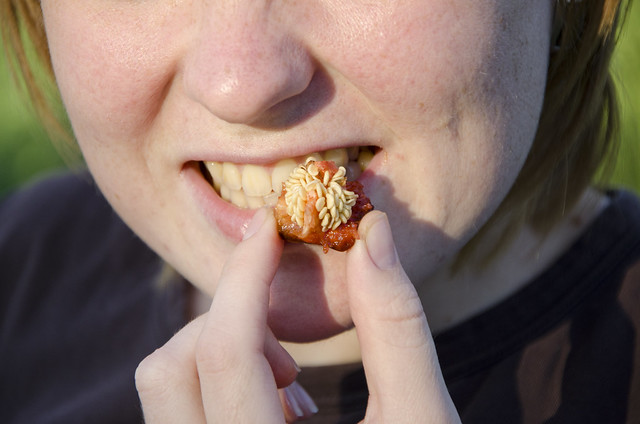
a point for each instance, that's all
(402, 306)
(216, 355)
(405, 320)
(157, 372)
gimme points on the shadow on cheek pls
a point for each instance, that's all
(420, 243)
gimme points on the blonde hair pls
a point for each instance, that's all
(578, 131)
(578, 126)
(27, 50)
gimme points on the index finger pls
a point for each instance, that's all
(241, 299)
(235, 377)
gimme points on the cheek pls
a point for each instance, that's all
(466, 114)
(113, 76)
(112, 68)
(409, 59)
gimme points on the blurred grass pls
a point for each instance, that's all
(626, 66)
(25, 150)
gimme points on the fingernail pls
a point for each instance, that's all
(291, 396)
(255, 223)
(304, 400)
(379, 242)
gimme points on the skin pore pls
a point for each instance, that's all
(449, 93)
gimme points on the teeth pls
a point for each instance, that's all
(225, 193)
(215, 170)
(253, 186)
(239, 199)
(315, 156)
(364, 158)
(271, 199)
(255, 181)
(231, 176)
(255, 202)
(339, 156)
(280, 174)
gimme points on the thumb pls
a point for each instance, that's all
(398, 354)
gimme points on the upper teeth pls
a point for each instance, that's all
(253, 186)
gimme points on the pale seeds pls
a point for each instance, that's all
(334, 201)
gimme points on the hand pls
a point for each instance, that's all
(207, 373)
(400, 362)
(226, 366)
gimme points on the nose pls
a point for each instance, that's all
(244, 61)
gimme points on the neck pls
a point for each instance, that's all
(451, 297)
(341, 349)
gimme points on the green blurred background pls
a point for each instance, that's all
(25, 150)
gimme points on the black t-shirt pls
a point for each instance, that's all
(80, 306)
(563, 349)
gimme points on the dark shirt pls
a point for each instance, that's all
(80, 306)
(564, 349)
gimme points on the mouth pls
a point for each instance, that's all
(252, 186)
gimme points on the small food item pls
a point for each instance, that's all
(319, 206)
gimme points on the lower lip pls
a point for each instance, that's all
(229, 219)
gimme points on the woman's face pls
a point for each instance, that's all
(447, 95)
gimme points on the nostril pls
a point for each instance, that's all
(298, 108)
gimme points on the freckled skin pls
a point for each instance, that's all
(444, 90)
